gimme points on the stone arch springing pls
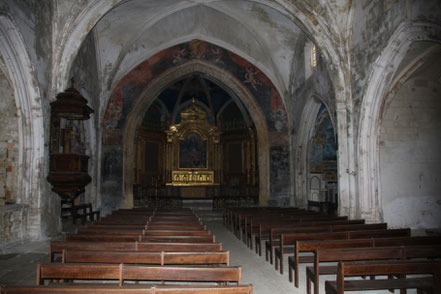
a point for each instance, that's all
(380, 84)
(30, 120)
(161, 82)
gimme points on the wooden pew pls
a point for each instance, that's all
(357, 225)
(288, 241)
(398, 268)
(144, 232)
(251, 223)
(148, 227)
(82, 211)
(140, 238)
(123, 273)
(261, 230)
(359, 254)
(154, 258)
(238, 215)
(56, 247)
(244, 220)
(312, 245)
(179, 239)
(132, 289)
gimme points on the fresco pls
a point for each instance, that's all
(323, 145)
(129, 87)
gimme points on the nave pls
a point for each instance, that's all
(18, 264)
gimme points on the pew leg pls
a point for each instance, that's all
(271, 256)
(276, 263)
(308, 284)
(296, 274)
(281, 264)
(290, 273)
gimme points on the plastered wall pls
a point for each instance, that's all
(410, 157)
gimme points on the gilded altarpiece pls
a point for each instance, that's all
(193, 155)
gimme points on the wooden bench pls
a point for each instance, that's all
(140, 238)
(261, 229)
(288, 241)
(154, 258)
(132, 289)
(83, 211)
(237, 217)
(145, 232)
(397, 268)
(312, 245)
(56, 247)
(359, 254)
(337, 227)
(123, 273)
(148, 227)
(244, 221)
(251, 223)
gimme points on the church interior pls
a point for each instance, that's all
(324, 106)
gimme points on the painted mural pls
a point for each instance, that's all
(322, 149)
(129, 88)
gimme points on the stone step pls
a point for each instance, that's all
(198, 204)
(209, 216)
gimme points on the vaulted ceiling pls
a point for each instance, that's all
(136, 30)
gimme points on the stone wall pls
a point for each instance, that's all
(8, 143)
(410, 157)
(13, 222)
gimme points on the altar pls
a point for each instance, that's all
(193, 155)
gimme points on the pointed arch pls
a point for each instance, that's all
(381, 82)
(30, 120)
(306, 129)
(217, 75)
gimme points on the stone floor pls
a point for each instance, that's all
(18, 264)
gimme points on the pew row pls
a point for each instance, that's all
(361, 254)
(288, 241)
(122, 273)
(154, 258)
(402, 269)
(129, 289)
(56, 247)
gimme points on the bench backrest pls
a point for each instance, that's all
(137, 273)
(160, 258)
(347, 269)
(328, 227)
(58, 246)
(146, 232)
(358, 268)
(291, 239)
(140, 238)
(132, 289)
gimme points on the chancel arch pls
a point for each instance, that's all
(221, 78)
